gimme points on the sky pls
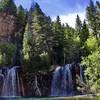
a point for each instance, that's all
(66, 9)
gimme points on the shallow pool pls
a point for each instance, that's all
(54, 98)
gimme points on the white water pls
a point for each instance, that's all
(81, 74)
(70, 81)
(54, 89)
(62, 84)
(11, 84)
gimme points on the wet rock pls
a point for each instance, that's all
(1, 82)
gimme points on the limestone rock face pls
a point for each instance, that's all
(7, 26)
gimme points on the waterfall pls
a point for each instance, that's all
(62, 83)
(70, 81)
(11, 84)
(54, 89)
(81, 74)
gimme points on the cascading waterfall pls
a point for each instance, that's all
(62, 84)
(70, 81)
(81, 74)
(9, 88)
(55, 89)
(11, 84)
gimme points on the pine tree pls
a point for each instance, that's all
(40, 26)
(8, 6)
(27, 43)
(69, 31)
(83, 38)
(58, 41)
(20, 25)
(92, 18)
(78, 25)
(37, 38)
(36, 18)
(21, 18)
(71, 45)
(84, 33)
(98, 18)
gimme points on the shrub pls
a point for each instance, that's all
(7, 51)
(92, 71)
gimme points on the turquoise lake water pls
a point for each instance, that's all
(55, 98)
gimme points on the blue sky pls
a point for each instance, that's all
(66, 9)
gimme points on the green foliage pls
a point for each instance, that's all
(36, 41)
(58, 41)
(69, 32)
(27, 43)
(58, 32)
(39, 28)
(83, 36)
(92, 71)
(7, 51)
(37, 63)
(71, 50)
(84, 33)
(44, 42)
(91, 44)
(21, 23)
(92, 15)
(71, 45)
(8, 6)
(78, 25)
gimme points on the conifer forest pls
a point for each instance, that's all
(42, 56)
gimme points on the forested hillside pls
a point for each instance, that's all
(37, 42)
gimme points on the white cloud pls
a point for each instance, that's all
(71, 18)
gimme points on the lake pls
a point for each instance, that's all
(55, 98)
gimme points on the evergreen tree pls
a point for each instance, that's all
(98, 18)
(21, 18)
(21, 23)
(36, 21)
(69, 31)
(78, 25)
(40, 27)
(47, 38)
(92, 18)
(84, 33)
(71, 45)
(78, 28)
(31, 60)
(58, 41)
(8, 6)
(27, 40)
(83, 38)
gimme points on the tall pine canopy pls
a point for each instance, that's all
(58, 41)
(84, 33)
(92, 18)
(78, 25)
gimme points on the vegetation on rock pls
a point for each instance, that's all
(43, 42)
